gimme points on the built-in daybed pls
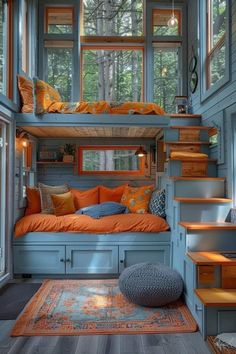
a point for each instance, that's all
(86, 254)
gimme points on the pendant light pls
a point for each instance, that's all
(173, 21)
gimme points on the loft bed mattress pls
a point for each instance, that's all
(147, 223)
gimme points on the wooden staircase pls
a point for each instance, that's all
(196, 209)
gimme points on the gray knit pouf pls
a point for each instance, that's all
(150, 284)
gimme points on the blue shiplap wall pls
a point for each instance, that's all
(56, 175)
(215, 107)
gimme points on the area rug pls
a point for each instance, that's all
(218, 350)
(88, 307)
(14, 297)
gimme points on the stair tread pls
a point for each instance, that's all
(177, 115)
(217, 297)
(177, 178)
(202, 200)
(187, 142)
(192, 127)
(213, 225)
(211, 258)
(191, 159)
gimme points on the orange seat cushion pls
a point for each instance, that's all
(33, 201)
(63, 203)
(45, 96)
(86, 198)
(111, 194)
(86, 224)
(25, 87)
(137, 198)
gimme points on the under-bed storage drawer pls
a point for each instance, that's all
(91, 259)
(129, 255)
(39, 259)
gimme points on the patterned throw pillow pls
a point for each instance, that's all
(137, 199)
(45, 196)
(25, 87)
(157, 203)
(44, 96)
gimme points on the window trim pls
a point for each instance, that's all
(81, 148)
(205, 55)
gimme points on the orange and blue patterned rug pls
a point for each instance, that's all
(87, 307)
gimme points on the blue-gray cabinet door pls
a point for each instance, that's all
(39, 259)
(129, 255)
(91, 259)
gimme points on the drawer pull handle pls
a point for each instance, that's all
(62, 260)
(68, 260)
(198, 308)
(121, 261)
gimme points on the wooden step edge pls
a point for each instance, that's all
(211, 258)
(190, 127)
(187, 142)
(203, 200)
(176, 115)
(192, 159)
(178, 178)
(207, 225)
(214, 297)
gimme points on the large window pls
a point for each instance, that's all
(167, 75)
(112, 74)
(113, 18)
(216, 38)
(103, 50)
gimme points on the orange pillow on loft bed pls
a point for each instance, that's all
(137, 198)
(44, 96)
(25, 87)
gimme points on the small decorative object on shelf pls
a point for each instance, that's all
(45, 155)
(181, 103)
(69, 153)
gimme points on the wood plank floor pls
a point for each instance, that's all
(183, 343)
(186, 343)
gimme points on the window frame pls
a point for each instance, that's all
(206, 55)
(140, 172)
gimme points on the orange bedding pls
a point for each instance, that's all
(86, 224)
(102, 107)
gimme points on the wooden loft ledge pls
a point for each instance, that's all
(121, 120)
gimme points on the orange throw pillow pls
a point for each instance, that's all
(45, 95)
(137, 198)
(25, 87)
(83, 199)
(111, 194)
(33, 201)
(63, 203)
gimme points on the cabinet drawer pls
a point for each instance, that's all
(39, 259)
(91, 259)
(129, 255)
